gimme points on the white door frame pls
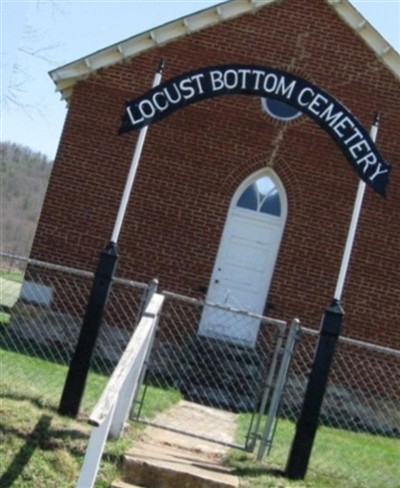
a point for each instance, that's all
(250, 215)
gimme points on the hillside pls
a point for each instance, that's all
(24, 177)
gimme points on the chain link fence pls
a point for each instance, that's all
(193, 354)
(42, 309)
(359, 435)
(358, 442)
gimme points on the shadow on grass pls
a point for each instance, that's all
(49, 440)
(258, 470)
(32, 399)
(244, 465)
(23, 456)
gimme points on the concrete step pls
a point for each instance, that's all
(154, 466)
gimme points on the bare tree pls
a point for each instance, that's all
(29, 49)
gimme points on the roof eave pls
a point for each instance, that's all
(66, 76)
(384, 51)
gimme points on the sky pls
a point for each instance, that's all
(40, 35)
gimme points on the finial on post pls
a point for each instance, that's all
(161, 65)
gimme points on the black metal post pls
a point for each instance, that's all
(307, 424)
(79, 367)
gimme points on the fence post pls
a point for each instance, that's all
(79, 367)
(306, 428)
(253, 434)
(267, 437)
(151, 289)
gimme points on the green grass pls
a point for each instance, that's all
(340, 459)
(38, 447)
(4, 318)
(41, 381)
(9, 291)
(12, 275)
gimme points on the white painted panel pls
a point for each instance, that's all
(241, 278)
(243, 268)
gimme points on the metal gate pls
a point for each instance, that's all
(238, 387)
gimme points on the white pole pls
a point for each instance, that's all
(134, 165)
(354, 222)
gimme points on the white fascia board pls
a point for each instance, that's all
(202, 20)
(239, 7)
(166, 33)
(227, 10)
(142, 43)
(70, 71)
(108, 57)
(147, 40)
(384, 51)
(65, 83)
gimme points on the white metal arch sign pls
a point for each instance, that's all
(243, 79)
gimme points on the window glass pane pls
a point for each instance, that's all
(272, 205)
(280, 110)
(264, 186)
(248, 198)
(261, 196)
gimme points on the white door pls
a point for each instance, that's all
(245, 261)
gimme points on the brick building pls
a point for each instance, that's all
(236, 197)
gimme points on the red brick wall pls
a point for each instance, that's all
(194, 160)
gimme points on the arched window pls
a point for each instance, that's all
(261, 196)
(279, 110)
